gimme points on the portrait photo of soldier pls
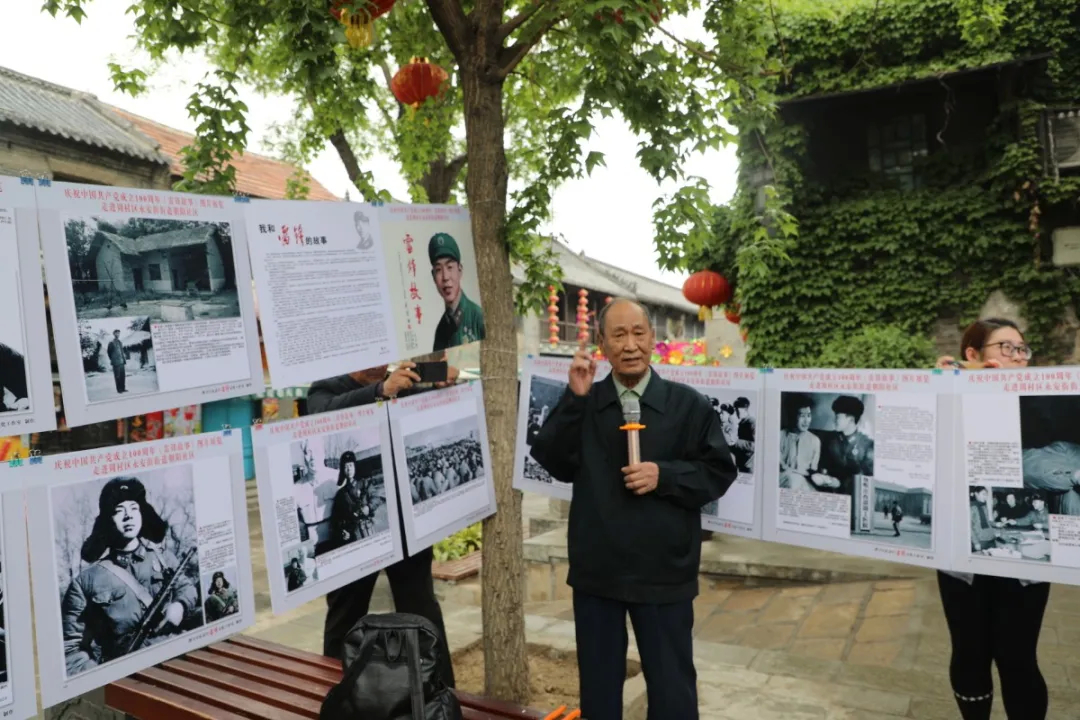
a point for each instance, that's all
(221, 597)
(462, 321)
(131, 578)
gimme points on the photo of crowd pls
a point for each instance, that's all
(544, 395)
(443, 458)
(738, 422)
(1009, 523)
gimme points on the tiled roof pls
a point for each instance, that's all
(159, 241)
(55, 110)
(256, 175)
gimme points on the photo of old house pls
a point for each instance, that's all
(167, 270)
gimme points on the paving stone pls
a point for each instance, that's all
(843, 593)
(772, 636)
(804, 591)
(786, 609)
(879, 629)
(908, 682)
(723, 627)
(829, 621)
(821, 648)
(724, 654)
(721, 675)
(883, 654)
(751, 599)
(891, 602)
(775, 662)
(751, 704)
(844, 696)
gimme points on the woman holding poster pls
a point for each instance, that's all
(993, 619)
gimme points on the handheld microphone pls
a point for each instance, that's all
(631, 408)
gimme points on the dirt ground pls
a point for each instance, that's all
(553, 675)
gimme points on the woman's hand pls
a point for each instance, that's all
(946, 362)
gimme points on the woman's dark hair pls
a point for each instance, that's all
(979, 332)
(347, 458)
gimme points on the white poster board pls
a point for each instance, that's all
(324, 527)
(151, 299)
(324, 298)
(737, 397)
(543, 382)
(18, 697)
(858, 462)
(89, 597)
(1017, 495)
(431, 271)
(26, 396)
(443, 462)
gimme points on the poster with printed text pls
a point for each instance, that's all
(543, 383)
(1017, 510)
(328, 501)
(151, 299)
(26, 398)
(858, 461)
(736, 396)
(324, 299)
(18, 697)
(431, 271)
(443, 463)
(141, 554)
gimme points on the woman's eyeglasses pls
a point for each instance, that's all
(1009, 349)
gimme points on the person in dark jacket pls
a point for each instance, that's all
(635, 530)
(12, 378)
(410, 579)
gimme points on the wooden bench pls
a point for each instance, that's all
(247, 679)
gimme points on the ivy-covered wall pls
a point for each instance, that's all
(876, 267)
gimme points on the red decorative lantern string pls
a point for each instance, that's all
(583, 315)
(358, 17)
(706, 289)
(553, 315)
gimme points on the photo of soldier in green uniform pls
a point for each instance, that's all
(463, 320)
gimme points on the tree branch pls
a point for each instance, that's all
(520, 19)
(456, 165)
(511, 57)
(347, 155)
(450, 18)
(701, 53)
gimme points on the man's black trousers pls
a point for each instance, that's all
(414, 592)
(664, 635)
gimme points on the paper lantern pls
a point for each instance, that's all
(416, 82)
(707, 289)
(731, 312)
(358, 17)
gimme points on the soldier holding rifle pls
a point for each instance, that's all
(133, 591)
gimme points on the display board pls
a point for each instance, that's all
(151, 299)
(328, 501)
(140, 554)
(325, 300)
(18, 697)
(26, 397)
(1018, 455)
(859, 462)
(443, 463)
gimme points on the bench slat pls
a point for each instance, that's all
(140, 700)
(246, 707)
(497, 707)
(256, 690)
(272, 662)
(314, 689)
(320, 661)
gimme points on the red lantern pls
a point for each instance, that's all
(357, 16)
(416, 82)
(732, 314)
(706, 289)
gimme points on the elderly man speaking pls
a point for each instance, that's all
(635, 529)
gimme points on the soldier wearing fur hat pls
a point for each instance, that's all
(463, 321)
(221, 600)
(126, 568)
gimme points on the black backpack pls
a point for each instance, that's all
(391, 673)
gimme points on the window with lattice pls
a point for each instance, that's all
(893, 148)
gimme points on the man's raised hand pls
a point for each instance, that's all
(582, 371)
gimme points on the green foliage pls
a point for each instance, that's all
(221, 132)
(460, 544)
(885, 347)
(857, 260)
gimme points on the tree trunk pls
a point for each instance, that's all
(506, 669)
(438, 181)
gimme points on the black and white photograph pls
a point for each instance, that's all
(902, 514)
(826, 441)
(1050, 439)
(443, 458)
(544, 395)
(339, 486)
(220, 592)
(14, 379)
(127, 563)
(1010, 523)
(117, 358)
(167, 270)
(738, 420)
(3, 636)
(299, 567)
